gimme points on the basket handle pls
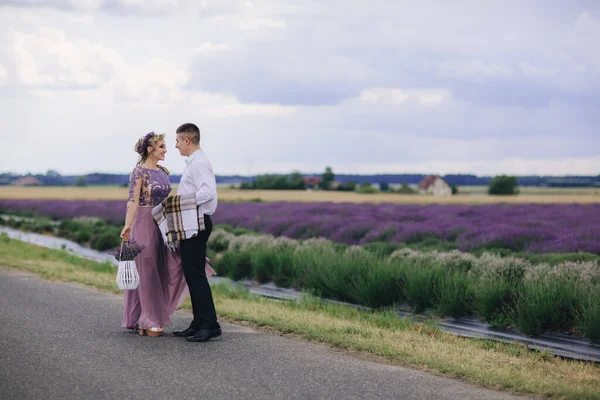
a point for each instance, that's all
(121, 253)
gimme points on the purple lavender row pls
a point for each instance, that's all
(537, 228)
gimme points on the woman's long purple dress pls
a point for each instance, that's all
(162, 287)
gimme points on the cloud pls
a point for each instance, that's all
(395, 95)
(205, 8)
(475, 70)
(459, 87)
(3, 75)
(212, 105)
(48, 59)
(273, 74)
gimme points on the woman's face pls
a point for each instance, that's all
(159, 150)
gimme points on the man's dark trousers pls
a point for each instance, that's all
(193, 253)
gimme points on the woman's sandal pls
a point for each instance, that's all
(151, 332)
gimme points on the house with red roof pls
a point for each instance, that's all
(434, 185)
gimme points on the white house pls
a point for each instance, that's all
(434, 185)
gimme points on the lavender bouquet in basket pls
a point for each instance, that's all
(127, 275)
(127, 251)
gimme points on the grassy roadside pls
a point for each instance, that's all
(489, 364)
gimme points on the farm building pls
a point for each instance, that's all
(27, 181)
(434, 185)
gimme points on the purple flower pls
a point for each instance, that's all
(127, 252)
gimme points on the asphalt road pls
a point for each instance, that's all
(63, 341)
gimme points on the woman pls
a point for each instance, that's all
(162, 288)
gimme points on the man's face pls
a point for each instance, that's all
(182, 143)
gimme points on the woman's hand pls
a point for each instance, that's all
(125, 233)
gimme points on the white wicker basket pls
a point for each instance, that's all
(127, 275)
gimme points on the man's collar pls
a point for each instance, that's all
(192, 156)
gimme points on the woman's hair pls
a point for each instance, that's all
(144, 143)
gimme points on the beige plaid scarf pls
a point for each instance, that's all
(178, 218)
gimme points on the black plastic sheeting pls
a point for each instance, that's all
(561, 345)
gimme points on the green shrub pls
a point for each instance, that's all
(455, 294)
(105, 241)
(590, 321)
(548, 303)
(83, 237)
(503, 185)
(219, 240)
(381, 286)
(235, 264)
(495, 301)
(421, 281)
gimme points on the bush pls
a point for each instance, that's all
(273, 262)
(421, 282)
(455, 295)
(496, 301)
(83, 237)
(105, 241)
(548, 303)
(590, 323)
(366, 187)
(504, 185)
(235, 264)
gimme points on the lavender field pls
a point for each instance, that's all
(538, 228)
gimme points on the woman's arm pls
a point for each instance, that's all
(135, 188)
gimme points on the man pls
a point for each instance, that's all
(198, 177)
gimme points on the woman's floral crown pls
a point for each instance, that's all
(144, 145)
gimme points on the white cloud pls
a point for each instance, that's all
(391, 95)
(211, 47)
(49, 59)
(475, 70)
(214, 105)
(249, 22)
(3, 75)
(155, 80)
(144, 7)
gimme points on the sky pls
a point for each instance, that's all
(473, 87)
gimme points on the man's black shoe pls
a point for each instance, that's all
(187, 333)
(204, 335)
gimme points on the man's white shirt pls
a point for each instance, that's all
(198, 177)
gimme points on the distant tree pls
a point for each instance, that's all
(405, 189)
(349, 186)
(296, 181)
(503, 184)
(327, 179)
(52, 173)
(384, 186)
(81, 181)
(366, 187)
(454, 189)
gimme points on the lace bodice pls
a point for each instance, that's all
(155, 185)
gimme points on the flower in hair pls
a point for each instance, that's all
(144, 144)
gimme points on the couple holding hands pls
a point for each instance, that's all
(173, 231)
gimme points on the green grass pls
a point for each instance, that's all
(380, 334)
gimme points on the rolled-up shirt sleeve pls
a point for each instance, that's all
(204, 180)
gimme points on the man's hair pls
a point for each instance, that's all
(191, 131)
